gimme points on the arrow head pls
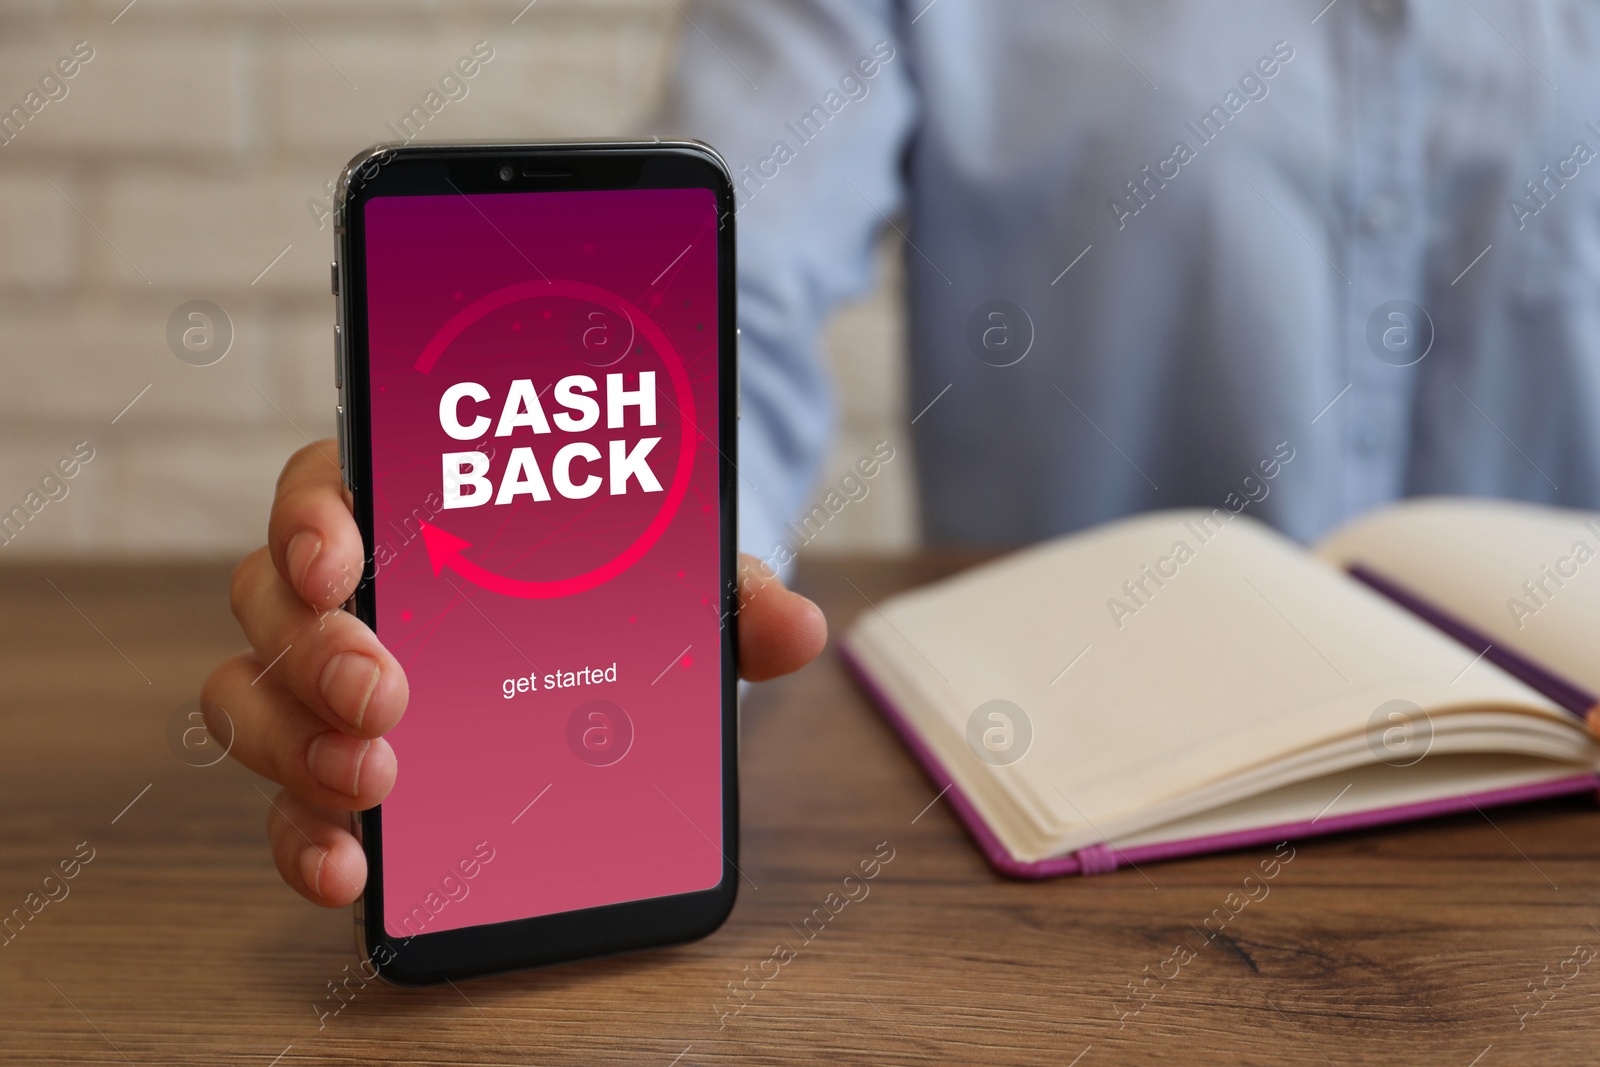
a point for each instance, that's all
(443, 548)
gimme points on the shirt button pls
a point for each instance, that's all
(1383, 212)
(1386, 13)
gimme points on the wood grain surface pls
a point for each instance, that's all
(176, 943)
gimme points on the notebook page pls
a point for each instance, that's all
(1526, 576)
(1370, 788)
(1227, 647)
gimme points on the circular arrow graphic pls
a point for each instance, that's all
(444, 550)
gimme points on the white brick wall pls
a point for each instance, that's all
(178, 166)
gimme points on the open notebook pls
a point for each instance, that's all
(1193, 680)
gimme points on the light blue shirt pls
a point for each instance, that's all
(1199, 213)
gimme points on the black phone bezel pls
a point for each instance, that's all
(457, 169)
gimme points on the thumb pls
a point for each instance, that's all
(779, 631)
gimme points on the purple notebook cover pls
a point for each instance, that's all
(1103, 858)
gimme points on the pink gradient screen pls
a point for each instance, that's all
(562, 746)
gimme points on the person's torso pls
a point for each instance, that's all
(1159, 245)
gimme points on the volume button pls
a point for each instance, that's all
(338, 357)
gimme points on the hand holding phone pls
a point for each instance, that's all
(333, 716)
(281, 597)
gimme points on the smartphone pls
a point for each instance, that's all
(536, 367)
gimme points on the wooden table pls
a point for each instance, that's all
(177, 944)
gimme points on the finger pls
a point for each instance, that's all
(332, 661)
(271, 732)
(779, 631)
(315, 544)
(315, 852)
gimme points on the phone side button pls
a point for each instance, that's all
(344, 462)
(338, 357)
(333, 277)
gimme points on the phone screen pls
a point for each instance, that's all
(543, 391)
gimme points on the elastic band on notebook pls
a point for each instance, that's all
(1097, 859)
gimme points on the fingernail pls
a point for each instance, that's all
(331, 763)
(807, 604)
(311, 862)
(347, 683)
(302, 551)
